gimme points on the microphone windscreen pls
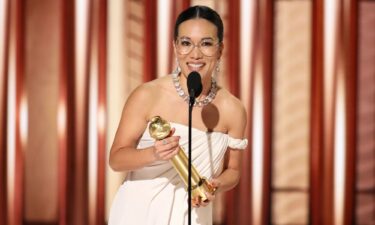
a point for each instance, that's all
(194, 83)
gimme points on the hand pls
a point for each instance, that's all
(168, 147)
(197, 201)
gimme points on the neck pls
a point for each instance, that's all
(206, 85)
(209, 90)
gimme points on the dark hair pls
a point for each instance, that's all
(203, 12)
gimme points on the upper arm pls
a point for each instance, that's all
(133, 120)
(237, 120)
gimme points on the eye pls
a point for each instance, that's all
(185, 43)
(207, 43)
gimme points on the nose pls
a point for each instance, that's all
(196, 52)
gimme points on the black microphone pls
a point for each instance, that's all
(194, 84)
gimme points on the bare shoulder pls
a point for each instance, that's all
(148, 91)
(231, 104)
(143, 91)
(144, 97)
(233, 112)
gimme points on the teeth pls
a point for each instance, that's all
(196, 65)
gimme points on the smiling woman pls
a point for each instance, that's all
(67, 67)
(153, 193)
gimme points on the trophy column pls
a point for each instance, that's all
(160, 129)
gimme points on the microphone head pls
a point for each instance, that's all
(194, 83)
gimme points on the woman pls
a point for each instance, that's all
(153, 193)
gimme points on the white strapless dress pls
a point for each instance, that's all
(155, 195)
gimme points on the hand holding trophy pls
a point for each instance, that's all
(160, 129)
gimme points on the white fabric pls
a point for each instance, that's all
(237, 143)
(155, 195)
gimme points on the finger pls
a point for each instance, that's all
(167, 148)
(171, 154)
(210, 197)
(167, 143)
(171, 139)
(158, 143)
(172, 132)
(195, 202)
(161, 143)
(170, 147)
(214, 183)
(204, 203)
(161, 152)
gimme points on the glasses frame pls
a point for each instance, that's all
(195, 45)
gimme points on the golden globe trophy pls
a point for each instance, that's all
(160, 129)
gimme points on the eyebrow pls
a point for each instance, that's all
(203, 39)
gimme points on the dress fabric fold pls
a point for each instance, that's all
(156, 195)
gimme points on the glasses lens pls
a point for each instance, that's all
(184, 46)
(207, 47)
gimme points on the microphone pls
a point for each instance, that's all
(194, 84)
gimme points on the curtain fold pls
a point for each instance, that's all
(14, 114)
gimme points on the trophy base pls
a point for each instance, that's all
(201, 189)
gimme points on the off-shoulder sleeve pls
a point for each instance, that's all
(237, 143)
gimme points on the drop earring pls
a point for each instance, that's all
(215, 74)
(178, 68)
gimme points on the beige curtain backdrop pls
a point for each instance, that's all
(304, 70)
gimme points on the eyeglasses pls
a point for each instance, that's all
(208, 47)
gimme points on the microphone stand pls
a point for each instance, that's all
(191, 105)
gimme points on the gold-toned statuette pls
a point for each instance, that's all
(160, 129)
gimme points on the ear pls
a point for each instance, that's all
(174, 48)
(221, 49)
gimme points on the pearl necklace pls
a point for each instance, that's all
(183, 95)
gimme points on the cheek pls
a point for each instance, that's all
(181, 58)
(176, 55)
(213, 63)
